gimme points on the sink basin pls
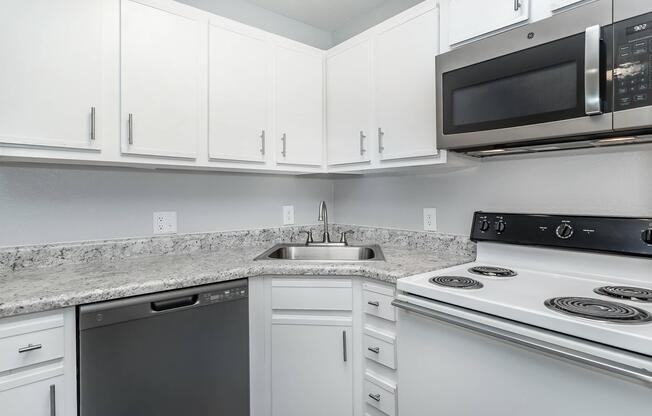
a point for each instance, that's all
(323, 253)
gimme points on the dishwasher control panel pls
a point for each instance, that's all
(225, 295)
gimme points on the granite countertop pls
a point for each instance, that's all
(40, 289)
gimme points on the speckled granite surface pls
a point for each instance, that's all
(44, 286)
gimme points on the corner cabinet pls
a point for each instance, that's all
(51, 75)
(299, 106)
(381, 95)
(163, 56)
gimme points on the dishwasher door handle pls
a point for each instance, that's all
(168, 304)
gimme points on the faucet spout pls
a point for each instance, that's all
(323, 216)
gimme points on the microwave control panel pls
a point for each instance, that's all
(633, 63)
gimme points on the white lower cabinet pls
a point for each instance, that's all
(312, 372)
(38, 374)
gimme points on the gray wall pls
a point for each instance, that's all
(379, 14)
(59, 204)
(595, 183)
(253, 15)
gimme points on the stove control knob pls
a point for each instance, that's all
(499, 226)
(484, 225)
(564, 231)
(647, 236)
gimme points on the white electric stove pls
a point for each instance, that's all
(555, 310)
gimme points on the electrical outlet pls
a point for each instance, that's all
(430, 219)
(165, 222)
(288, 214)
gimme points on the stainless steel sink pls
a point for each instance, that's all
(323, 253)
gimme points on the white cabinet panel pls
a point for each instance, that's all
(405, 88)
(349, 105)
(162, 55)
(556, 5)
(468, 19)
(299, 106)
(239, 85)
(309, 373)
(51, 72)
(41, 398)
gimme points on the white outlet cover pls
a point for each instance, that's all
(288, 214)
(165, 222)
(430, 219)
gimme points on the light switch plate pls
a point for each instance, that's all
(165, 222)
(430, 219)
(288, 214)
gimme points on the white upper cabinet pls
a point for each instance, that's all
(163, 54)
(405, 88)
(556, 5)
(239, 95)
(299, 106)
(468, 19)
(51, 72)
(349, 104)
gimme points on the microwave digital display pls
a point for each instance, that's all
(641, 27)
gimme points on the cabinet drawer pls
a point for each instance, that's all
(379, 347)
(305, 294)
(31, 348)
(380, 394)
(379, 305)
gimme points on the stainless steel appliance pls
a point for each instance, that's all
(184, 352)
(553, 318)
(581, 78)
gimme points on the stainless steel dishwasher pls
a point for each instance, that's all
(183, 352)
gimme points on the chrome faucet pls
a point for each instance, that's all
(323, 216)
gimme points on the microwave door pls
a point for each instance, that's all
(554, 89)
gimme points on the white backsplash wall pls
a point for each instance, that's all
(46, 204)
(597, 183)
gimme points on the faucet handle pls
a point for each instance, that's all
(343, 236)
(308, 235)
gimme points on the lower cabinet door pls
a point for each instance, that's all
(311, 370)
(41, 398)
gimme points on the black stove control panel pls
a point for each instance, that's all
(631, 236)
(633, 63)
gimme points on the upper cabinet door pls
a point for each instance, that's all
(556, 5)
(299, 106)
(163, 50)
(51, 72)
(405, 88)
(349, 105)
(468, 19)
(239, 85)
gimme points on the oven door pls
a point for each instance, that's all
(544, 80)
(456, 362)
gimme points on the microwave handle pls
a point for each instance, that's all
(592, 102)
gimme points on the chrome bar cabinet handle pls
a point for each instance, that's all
(344, 353)
(362, 149)
(375, 350)
(30, 347)
(262, 143)
(592, 71)
(284, 141)
(373, 303)
(640, 375)
(375, 397)
(517, 5)
(381, 133)
(92, 123)
(130, 123)
(53, 400)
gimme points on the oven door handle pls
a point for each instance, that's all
(638, 374)
(592, 99)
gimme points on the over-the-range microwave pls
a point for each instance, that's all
(580, 78)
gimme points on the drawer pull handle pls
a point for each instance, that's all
(374, 303)
(30, 347)
(375, 397)
(375, 350)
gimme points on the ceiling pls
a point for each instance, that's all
(328, 15)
